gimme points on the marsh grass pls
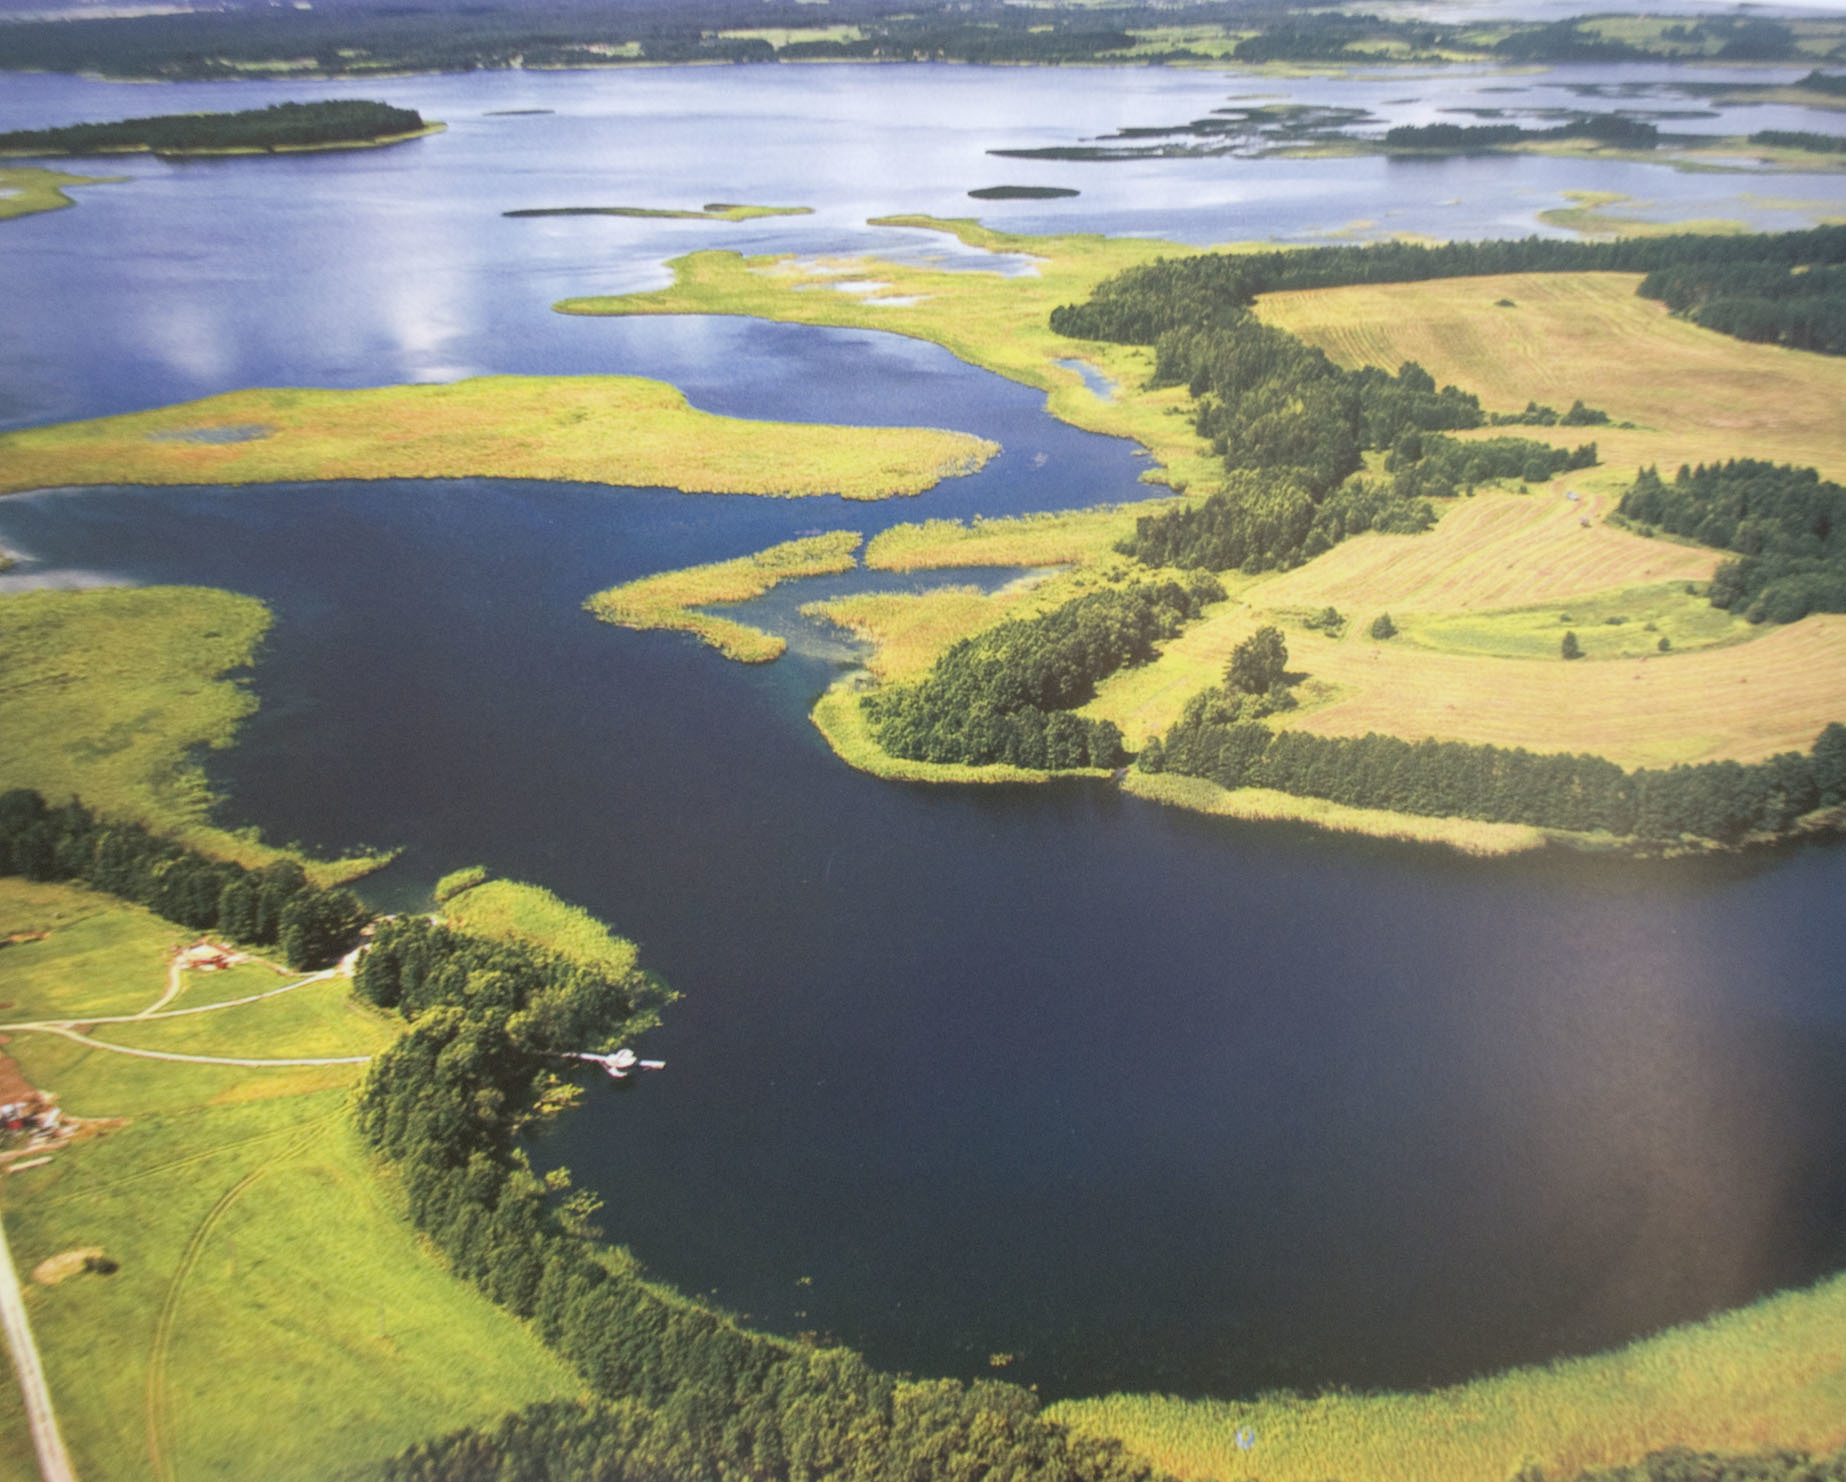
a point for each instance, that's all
(106, 693)
(988, 319)
(1770, 1374)
(24, 190)
(529, 913)
(909, 631)
(670, 599)
(1057, 539)
(590, 429)
(1261, 804)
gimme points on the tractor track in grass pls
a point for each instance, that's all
(155, 1405)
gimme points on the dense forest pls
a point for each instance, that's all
(681, 1392)
(1005, 695)
(1602, 128)
(1788, 526)
(272, 906)
(1682, 1465)
(1801, 306)
(279, 126)
(1138, 305)
(1723, 801)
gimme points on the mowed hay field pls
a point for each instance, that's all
(1493, 551)
(1694, 395)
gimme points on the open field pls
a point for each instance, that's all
(670, 599)
(272, 1313)
(988, 319)
(1495, 550)
(105, 693)
(1772, 1374)
(1695, 396)
(590, 429)
(24, 190)
(530, 913)
(1743, 702)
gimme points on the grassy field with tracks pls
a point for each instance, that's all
(271, 1313)
(588, 429)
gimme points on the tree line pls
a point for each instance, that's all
(1788, 526)
(1722, 801)
(271, 906)
(1803, 307)
(1139, 304)
(1602, 128)
(281, 125)
(680, 1392)
(1006, 694)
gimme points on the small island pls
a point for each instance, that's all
(277, 129)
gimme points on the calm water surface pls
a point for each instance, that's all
(1143, 1099)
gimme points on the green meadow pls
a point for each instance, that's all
(270, 1312)
(1629, 622)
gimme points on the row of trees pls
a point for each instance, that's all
(1005, 695)
(681, 1392)
(1603, 128)
(1788, 526)
(1140, 304)
(1723, 801)
(272, 906)
(281, 125)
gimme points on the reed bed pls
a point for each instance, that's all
(587, 429)
(670, 600)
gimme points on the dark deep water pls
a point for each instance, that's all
(1148, 1100)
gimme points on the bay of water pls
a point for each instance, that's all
(1142, 1099)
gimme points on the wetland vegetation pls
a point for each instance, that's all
(590, 429)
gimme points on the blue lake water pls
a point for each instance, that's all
(1145, 1099)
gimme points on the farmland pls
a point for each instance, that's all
(1694, 396)
(269, 1311)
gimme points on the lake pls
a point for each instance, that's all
(1141, 1099)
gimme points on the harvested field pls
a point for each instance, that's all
(1492, 551)
(1696, 396)
(1743, 703)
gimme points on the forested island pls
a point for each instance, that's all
(338, 124)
